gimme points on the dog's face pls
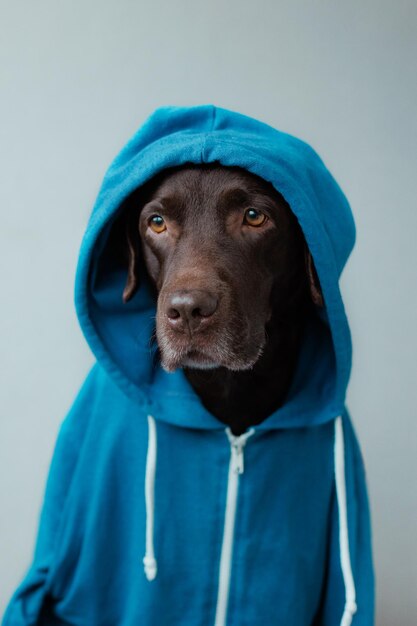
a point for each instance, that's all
(226, 255)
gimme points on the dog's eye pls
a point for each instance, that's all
(157, 224)
(253, 217)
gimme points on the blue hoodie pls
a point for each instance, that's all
(155, 514)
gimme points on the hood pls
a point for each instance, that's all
(120, 334)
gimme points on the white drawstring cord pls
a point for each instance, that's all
(339, 466)
(149, 560)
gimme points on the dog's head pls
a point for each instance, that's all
(228, 259)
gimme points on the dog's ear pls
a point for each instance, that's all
(313, 279)
(133, 252)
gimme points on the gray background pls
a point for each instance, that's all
(77, 79)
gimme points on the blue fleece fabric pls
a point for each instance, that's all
(285, 565)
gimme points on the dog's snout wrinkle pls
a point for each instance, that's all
(190, 308)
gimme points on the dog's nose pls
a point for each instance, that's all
(190, 308)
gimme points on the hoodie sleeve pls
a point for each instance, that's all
(348, 594)
(29, 604)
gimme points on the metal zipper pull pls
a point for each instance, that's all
(237, 443)
(237, 458)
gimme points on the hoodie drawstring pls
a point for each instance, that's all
(149, 561)
(340, 479)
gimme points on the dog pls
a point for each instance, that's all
(235, 283)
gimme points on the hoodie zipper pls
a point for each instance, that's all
(236, 467)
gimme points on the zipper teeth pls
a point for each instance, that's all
(226, 554)
(229, 524)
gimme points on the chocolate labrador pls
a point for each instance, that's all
(234, 281)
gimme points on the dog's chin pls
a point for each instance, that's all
(197, 361)
(192, 359)
(172, 360)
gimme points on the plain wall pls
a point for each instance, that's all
(78, 78)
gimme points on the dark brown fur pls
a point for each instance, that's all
(232, 297)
